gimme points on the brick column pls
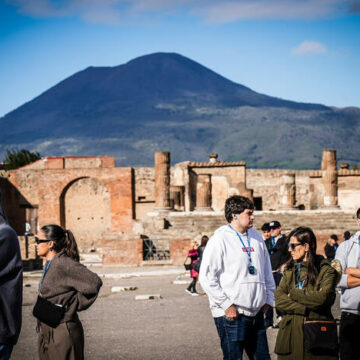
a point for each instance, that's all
(203, 192)
(287, 191)
(329, 176)
(162, 180)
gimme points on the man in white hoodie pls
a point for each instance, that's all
(237, 277)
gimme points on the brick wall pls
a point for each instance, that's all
(124, 251)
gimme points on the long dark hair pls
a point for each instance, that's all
(63, 240)
(204, 240)
(305, 235)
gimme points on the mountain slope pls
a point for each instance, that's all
(167, 101)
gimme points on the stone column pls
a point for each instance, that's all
(287, 191)
(162, 181)
(203, 192)
(329, 176)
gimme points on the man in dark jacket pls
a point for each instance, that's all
(11, 279)
(277, 246)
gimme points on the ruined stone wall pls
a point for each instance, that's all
(349, 189)
(317, 191)
(225, 181)
(123, 250)
(27, 182)
(266, 184)
(87, 212)
(53, 186)
(144, 184)
(14, 203)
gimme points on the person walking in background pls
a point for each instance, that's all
(11, 285)
(200, 251)
(331, 247)
(307, 290)
(348, 254)
(279, 255)
(266, 231)
(66, 283)
(193, 255)
(236, 275)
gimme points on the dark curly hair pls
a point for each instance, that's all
(236, 205)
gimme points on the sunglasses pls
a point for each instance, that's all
(39, 241)
(293, 246)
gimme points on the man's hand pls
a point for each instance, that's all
(353, 272)
(265, 308)
(231, 312)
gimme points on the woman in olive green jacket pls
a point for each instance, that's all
(307, 289)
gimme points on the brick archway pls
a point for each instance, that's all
(85, 210)
(53, 185)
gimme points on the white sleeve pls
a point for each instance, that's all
(341, 255)
(269, 278)
(211, 266)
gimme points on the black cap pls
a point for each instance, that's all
(274, 224)
(265, 227)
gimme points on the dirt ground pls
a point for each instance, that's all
(177, 326)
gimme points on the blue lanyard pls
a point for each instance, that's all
(300, 283)
(248, 250)
(359, 240)
(45, 271)
(273, 243)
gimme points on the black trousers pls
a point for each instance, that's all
(349, 336)
(192, 286)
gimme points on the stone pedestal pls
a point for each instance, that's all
(177, 197)
(329, 177)
(162, 181)
(203, 192)
(287, 192)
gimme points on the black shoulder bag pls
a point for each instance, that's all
(320, 336)
(47, 312)
(187, 266)
(44, 310)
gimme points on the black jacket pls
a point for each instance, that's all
(10, 284)
(330, 252)
(279, 254)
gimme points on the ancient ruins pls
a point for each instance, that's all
(132, 216)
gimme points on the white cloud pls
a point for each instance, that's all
(309, 47)
(230, 11)
(212, 11)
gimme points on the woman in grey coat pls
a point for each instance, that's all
(68, 283)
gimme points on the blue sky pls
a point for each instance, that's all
(302, 50)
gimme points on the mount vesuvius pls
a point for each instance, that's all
(165, 101)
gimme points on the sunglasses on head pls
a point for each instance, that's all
(293, 246)
(39, 241)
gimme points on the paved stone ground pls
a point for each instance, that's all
(178, 326)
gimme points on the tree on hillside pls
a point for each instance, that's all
(17, 158)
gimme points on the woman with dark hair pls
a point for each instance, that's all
(68, 284)
(306, 291)
(193, 255)
(201, 248)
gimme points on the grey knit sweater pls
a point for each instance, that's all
(71, 284)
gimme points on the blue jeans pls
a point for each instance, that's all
(244, 333)
(5, 352)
